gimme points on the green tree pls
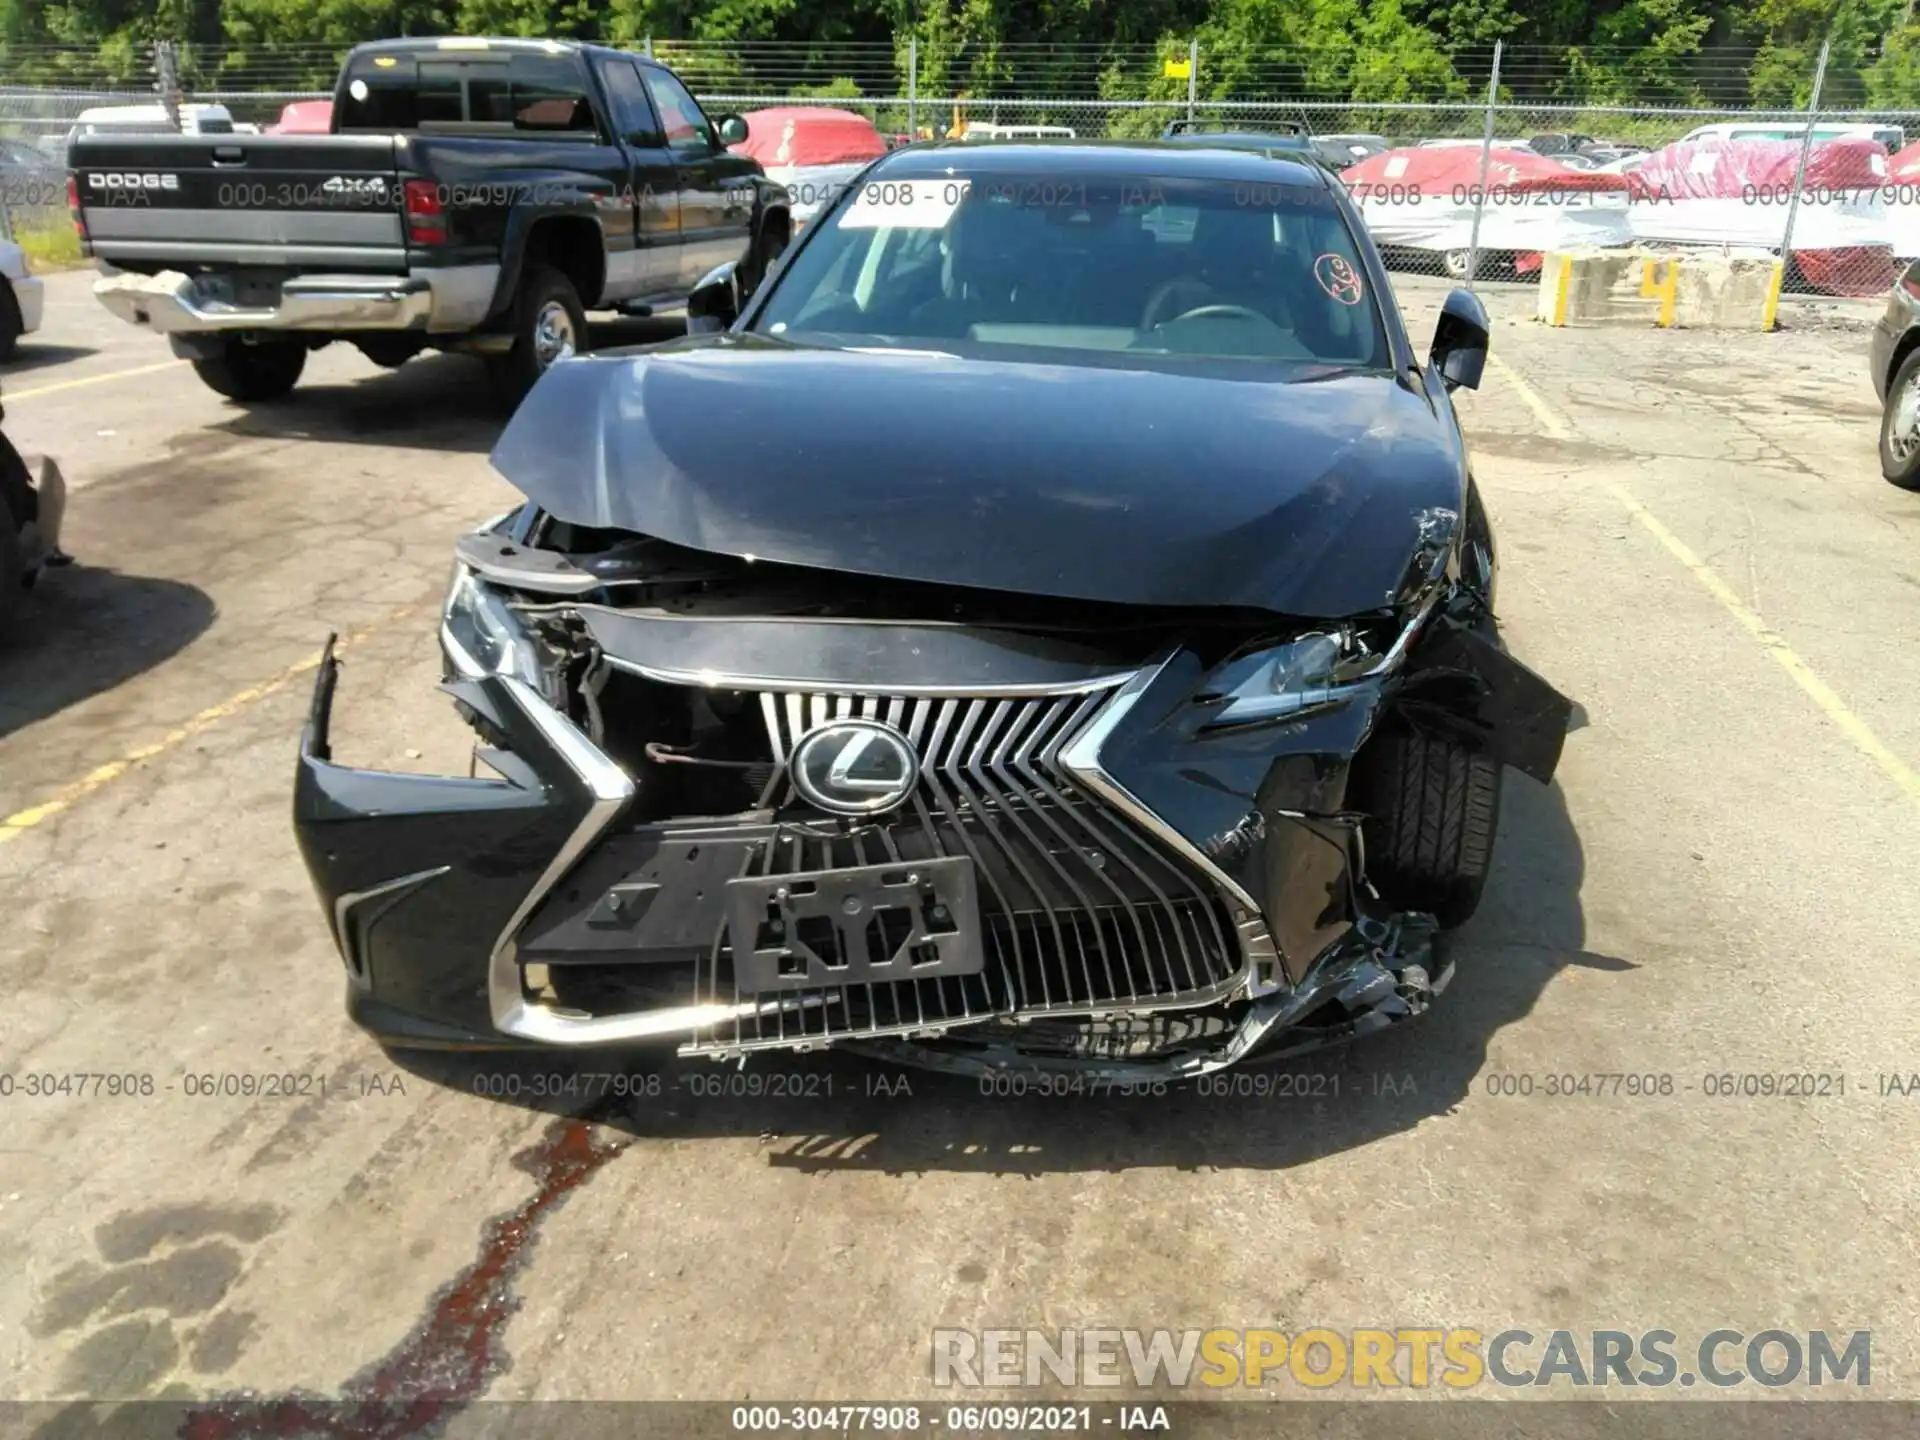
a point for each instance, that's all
(1893, 80)
(1790, 33)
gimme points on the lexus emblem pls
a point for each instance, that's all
(854, 767)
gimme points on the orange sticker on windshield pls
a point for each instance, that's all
(1338, 278)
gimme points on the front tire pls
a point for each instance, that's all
(1432, 806)
(1900, 426)
(548, 322)
(253, 374)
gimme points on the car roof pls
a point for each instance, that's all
(1102, 157)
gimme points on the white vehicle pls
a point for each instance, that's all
(1019, 132)
(151, 120)
(22, 302)
(1891, 136)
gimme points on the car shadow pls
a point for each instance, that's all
(34, 355)
(837, 1112)
(434, 402)
(86, 629)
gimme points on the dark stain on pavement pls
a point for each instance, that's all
(456, 1349)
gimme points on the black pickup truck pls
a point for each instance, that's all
(473, 195)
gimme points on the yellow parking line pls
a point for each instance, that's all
(1822, 695)
(12, 395)
(65, 798)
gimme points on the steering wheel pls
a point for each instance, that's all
(1220, 312)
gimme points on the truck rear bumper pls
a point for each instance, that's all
(451, 299)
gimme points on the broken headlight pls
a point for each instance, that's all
(1307, 671)
(483, 636)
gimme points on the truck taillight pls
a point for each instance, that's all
(426, 216)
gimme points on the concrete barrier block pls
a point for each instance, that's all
(1703, 289)
(1732, 291)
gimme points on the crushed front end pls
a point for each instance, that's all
(744, 808)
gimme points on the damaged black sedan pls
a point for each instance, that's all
(1052, 625)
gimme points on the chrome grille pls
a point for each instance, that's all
(1082, 911)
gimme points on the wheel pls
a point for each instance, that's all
(1456, 262)
(254, 373)
(1431, 807)
(1900, 426)
(548, 322)
(761, 254)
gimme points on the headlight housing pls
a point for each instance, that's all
(483, 636)
(1320, 667)
(1267, 684)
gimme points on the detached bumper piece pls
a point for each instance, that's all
(175, 303)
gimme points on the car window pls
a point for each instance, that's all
(1259, 271)
(632, 115)
(685, 122)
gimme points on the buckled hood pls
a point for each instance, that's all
(1100, 477)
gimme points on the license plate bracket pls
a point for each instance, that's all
(909, 920)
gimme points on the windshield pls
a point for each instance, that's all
(1253, 271)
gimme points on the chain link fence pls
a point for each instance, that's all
(1518, 158)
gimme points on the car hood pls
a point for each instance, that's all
(1095, 480)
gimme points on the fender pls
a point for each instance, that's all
(521, 220)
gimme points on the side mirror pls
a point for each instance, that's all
(715, 301)
(1460, 341)
(733, 130)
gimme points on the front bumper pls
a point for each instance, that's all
(173, 303)
(448, 897)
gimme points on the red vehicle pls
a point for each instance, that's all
(812, 150)
(304, 117)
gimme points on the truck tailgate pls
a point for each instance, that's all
(306, 202)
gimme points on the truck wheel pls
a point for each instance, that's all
(548, 321)
(1900, 426)
(1431, 806)
(254, 373)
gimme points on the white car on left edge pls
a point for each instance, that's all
(20, 307)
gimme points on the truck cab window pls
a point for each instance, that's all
(632, 115)
(532, 92)
(686, 123)
(401, 94)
